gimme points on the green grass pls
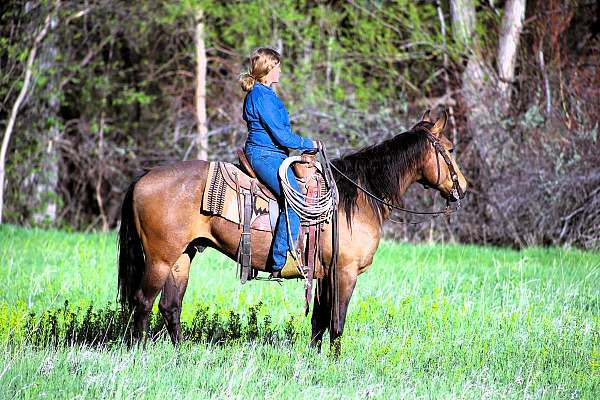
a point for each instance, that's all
(426, 321)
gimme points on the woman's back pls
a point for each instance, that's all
(269, 123)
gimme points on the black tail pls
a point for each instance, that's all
(131, 252)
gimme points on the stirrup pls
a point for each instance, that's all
(291, 269)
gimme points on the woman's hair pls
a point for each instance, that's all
(262, 60)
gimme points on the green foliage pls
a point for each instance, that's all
(110, 326)
(130, 96)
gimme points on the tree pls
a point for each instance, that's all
(510, 34)
(484, 99)
(200, 96)
(29, 71)
(47, 104)
(463, 20)
(476, 89)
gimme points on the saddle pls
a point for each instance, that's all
(236, 194)
(226, 192)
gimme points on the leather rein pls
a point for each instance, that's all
(457, 191)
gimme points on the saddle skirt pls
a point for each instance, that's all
(225, 192)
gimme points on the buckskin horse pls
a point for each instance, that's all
(162, 227)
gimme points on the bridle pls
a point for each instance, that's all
(457, 191)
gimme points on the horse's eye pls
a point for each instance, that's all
(451, 151)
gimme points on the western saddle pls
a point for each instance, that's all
(308, 238)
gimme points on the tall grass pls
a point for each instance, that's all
(427, 321)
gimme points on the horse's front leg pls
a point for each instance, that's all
(346, 281)
(321, 315)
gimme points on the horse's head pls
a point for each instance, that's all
(440, 170)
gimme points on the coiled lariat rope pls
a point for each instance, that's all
(312, 210)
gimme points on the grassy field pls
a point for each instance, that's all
(427, 321)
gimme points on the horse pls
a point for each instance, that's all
(162, 227)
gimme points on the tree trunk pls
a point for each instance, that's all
(448, 93)
(20, 98)
(475, 88)
(202, 135)
(45, 179)
(463, 20)
(510, 33)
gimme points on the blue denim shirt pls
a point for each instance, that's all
(269, 123)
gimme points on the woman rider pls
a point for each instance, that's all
(269, 139)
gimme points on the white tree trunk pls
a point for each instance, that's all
(45, 179)
(510, 33)
(15, 109)
(477, 90)
(463, 20)
(448, 95)
(202, 133)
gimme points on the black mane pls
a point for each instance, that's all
(379, 169)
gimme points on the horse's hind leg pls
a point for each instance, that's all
(172, 294)
(160, 258)
(154, 279)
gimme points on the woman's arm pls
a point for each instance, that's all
(274, 122)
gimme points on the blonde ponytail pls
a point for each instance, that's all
(247, 81)
(262, 60)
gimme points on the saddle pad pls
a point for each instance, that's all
(224, 196)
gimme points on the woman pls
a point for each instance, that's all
(269, 139)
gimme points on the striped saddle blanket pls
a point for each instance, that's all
(225, 195)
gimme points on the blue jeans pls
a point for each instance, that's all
(266, 165)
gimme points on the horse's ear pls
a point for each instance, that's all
(425, 117)
(440, 124)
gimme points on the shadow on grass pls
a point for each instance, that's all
(110, 326)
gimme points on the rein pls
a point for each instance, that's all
(335, 243)
(457, 192)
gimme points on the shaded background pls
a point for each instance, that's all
(115, 88)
